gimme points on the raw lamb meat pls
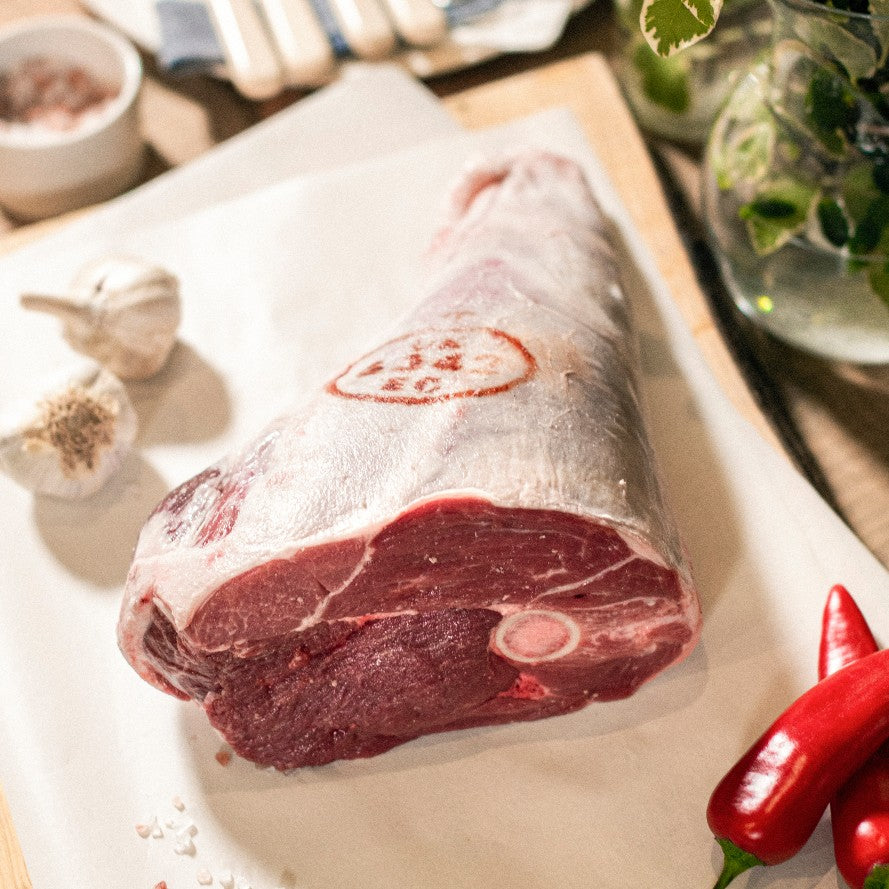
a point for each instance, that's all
(463, 528)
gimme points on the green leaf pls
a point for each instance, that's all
(664, 81)
(832, 41)
(672, 25)
(870, 228)
(769, 208)
(881, 173)
(832, 108)
(833, 222)
(748, 158)
(777, 213)
(880, 26)
(859, 190)
(745, 153)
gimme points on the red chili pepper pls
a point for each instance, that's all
(860, 811)
(766, 807)
(845, 635)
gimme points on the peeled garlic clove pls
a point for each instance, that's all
(70, 439)
(122, 312)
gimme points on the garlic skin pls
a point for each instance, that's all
(121, 311)
(72, 438)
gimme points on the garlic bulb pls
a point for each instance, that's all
(121, 311)
(73, 436)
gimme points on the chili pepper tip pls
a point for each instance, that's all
(737, 861)
(878, 878)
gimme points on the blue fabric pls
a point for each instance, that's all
(188, 40)
(328, 22)
(459, 12)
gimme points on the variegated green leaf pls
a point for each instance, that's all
(779, 211)
(742, 154)
(832, 41)
(879, 22)
(672, 25)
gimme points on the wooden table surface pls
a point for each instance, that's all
(838, 411)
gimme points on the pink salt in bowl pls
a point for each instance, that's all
(69, 126)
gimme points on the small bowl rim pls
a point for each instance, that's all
(20, 138)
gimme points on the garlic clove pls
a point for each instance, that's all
(71, 438)
(123, 312)
(63, 307)
(116, 273)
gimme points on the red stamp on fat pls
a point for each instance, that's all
(437, 365)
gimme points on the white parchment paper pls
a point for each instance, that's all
(281, 289)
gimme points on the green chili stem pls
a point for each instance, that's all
(878, 878)
(737, 861)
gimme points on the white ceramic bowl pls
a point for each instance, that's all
(44, 173)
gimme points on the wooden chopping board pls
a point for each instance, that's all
(13, 873)
(586, 85)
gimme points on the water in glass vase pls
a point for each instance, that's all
(808, 298)
(796, 184)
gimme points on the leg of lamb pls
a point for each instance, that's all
(464, 527)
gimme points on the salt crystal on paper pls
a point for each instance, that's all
(171, 823)
(158, 832)
(185, 846)
(186, 829)
(144, 828)
(204, 877)
(178, 804)
(226, 880)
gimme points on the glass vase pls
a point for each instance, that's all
(796, 182)
(678, 98)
